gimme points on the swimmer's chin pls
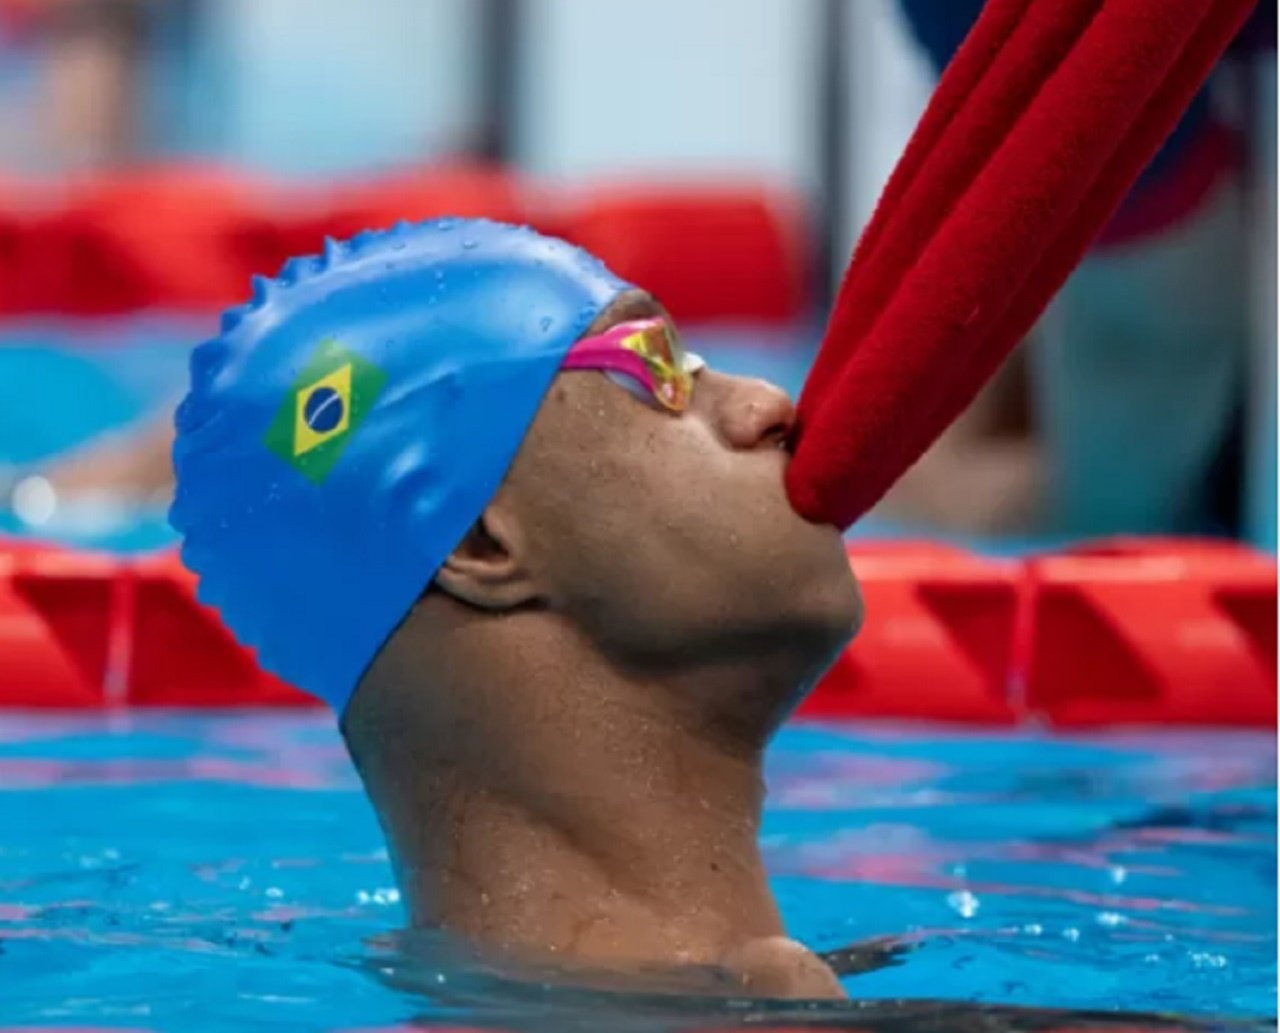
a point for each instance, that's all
(848, 611)
(829, 613)
(826, 591)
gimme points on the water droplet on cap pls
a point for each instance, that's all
(469, 245)
(544, 324)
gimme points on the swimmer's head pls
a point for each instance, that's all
(417, 413)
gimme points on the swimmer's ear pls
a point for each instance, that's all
(483, 571)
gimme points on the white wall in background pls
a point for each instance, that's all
(687, 86)
(328, 86)
(606, 87)
(889, 83)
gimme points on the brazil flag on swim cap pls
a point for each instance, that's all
(324, 407)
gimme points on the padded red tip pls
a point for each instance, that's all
(985, 218)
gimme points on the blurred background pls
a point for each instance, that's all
(724, 153)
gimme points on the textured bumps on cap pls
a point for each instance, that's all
(395, 242)
(333, 256)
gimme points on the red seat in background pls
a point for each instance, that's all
(293, 221)
(21, 206)
(709, 253)
(189, 239)
(146, 239)
(342, 210)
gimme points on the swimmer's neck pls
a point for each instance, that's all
(660, 865)
(556, 809)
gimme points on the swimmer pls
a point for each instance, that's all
(467, 486)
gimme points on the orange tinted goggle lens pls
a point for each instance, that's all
(664, 357)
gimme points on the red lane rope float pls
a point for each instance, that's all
(937, 642)
(55, 627)
(1124, 632)
(1036, 131)
(82, 629)
(1135, 631)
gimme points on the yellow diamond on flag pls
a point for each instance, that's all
(322, 410)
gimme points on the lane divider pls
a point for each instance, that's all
(1123, 632)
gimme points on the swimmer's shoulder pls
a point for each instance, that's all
(774, 966)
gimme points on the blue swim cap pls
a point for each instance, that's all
(349, 425)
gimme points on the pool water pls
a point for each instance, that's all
(193, 872)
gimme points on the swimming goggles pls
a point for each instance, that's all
(643, 354)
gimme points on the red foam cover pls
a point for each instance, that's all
(1045, 118)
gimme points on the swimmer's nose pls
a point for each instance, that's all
(749, 412)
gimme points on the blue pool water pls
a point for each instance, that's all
(202, 872)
